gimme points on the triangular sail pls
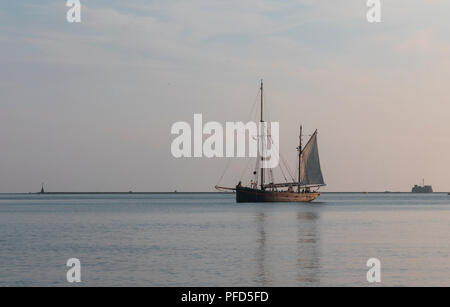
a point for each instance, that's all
(310, 171)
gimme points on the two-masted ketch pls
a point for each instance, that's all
(305, 189)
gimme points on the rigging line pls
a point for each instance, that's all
(224, 171)
(281, 168)
(257, 169)
(287, 167)
(282, 172)
(252, 110)
(268, 114)
(245, 170)
(267, 108)
(271, 171)
(255, 176)
(249, 116)
(271, 176)
(283, 161)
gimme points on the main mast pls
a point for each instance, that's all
(262, 137)
(299, 157)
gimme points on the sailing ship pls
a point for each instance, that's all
(304, 189)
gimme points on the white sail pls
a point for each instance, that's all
(310, 172)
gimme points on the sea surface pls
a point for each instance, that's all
(209, 240)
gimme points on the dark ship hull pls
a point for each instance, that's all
(422, 189)
(249, 195)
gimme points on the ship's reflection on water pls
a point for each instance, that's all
(272, 258)
(308, 249)
(261, 248)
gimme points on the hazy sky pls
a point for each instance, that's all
(88, 107)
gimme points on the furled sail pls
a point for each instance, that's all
(310, 172)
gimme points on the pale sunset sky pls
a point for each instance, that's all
(89, 106)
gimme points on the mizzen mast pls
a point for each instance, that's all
(299, 148)
(262, 136)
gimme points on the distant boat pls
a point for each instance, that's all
(305, 189)
(422, 189)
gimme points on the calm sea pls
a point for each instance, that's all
(209, 240)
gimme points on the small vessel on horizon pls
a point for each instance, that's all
(305, 189)
(423, 188)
